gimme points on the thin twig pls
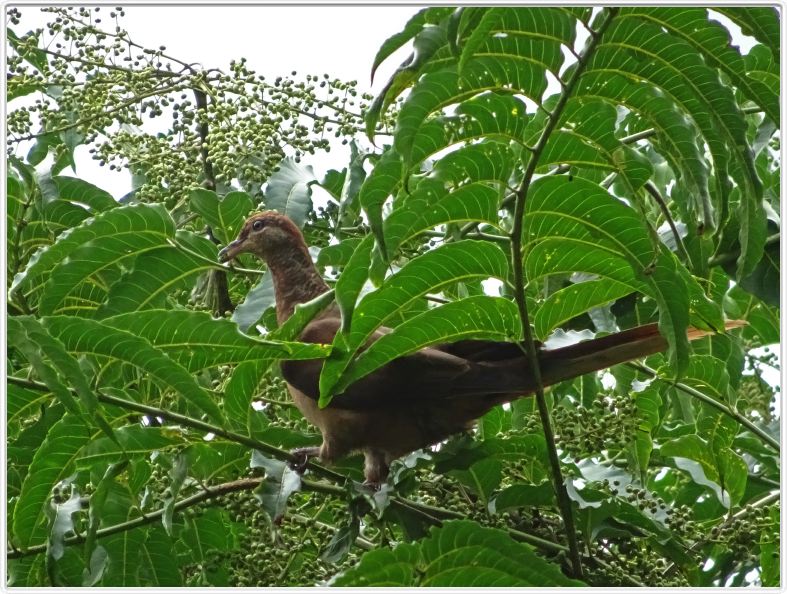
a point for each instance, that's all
(651, 189)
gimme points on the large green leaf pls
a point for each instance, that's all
(559, 207)
(377, 187)
(40, 348)
(158, 273)
(225, 215)
(459, 554)
(480, 317)
(101, 339)
(289, 190)
(135, 227)
(124, 549)
(492, 115)
(713, 41)
(576, 299)
(446, 264)
(54, 460)
(761, 22)
(241, 389)
(261, 297)
(133, 441)
(585, 137)
(280, 482)
(431, 205)
(679, 71)
(78, 190)
(196, 340)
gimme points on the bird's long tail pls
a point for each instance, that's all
(585, 357)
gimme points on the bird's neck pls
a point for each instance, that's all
(295, 279)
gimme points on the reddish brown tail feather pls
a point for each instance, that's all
(594, 355)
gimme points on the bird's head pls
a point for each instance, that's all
(264, 234)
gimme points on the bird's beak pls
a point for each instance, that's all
(231, 250)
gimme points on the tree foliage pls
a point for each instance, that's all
(598, 168)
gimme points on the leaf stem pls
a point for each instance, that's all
(651, 189)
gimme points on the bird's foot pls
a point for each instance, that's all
(372, 485)
(302, 456)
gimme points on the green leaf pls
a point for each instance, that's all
(482, 478)
(338, 254)
(196, 340)
(289, 190)
(522, 495)
(157, 559)
(206, 533)
(416, 23)
(77, 190)
(552, 23)
(255, 303)
(562, 208)
(459, 554)
(143, 226)
(27, 47)
(96, 338)
(376, 188)
(241, 389)
(578, 298)
(124, 549)
(426, 43)
(225, 215)
(492, 115)
(713, 41)
(280, 482)
(761, 22)
(448, 263)
(430, 205)
(53, 461)
(481, 317)
(133, 441)
(95, 511)
(648, 403)
(352, 280)
(349, 206)
(158, 273)
(341, 542)
(177, 475)
(672, 65)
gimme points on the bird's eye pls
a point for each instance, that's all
(257, 225)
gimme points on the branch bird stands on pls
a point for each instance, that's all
(420, 399)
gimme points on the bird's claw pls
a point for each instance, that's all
(302, 456)
(372, 485)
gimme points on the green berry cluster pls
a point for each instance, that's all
(210, 125)
(608, 425)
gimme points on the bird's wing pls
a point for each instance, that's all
(429, 374)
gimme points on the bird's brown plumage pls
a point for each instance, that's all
(420, 399)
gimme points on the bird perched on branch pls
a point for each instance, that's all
(419, 399)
